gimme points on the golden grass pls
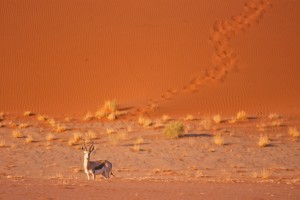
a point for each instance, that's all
(108, 108)
(263, 141)
(60, 128)
(88, 116)
(174, 130)
(145, 122)
(138, 142)
(42, 118)
(218, 139)
(29, 139)
(206, 124)
(217, 119)
(51, 122)
(112, 116)
(261, 127)
(277, 123)
(293, 131)
(165, 118)
(23, 125)
(91, 135)
(77, 137)
(189, 118)
(265, 174)
(273, 116)
(17, 134)
(50, 137)
(28, 113)
(110, 131)
(2, 143)
(241, 116)
(136, 148)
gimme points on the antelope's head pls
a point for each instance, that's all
(87, 152)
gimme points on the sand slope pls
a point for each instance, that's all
(67, 57)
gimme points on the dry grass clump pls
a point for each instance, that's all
(2, 115)
(77, 137)
(264, 174)
(2, 143)
(217, 119)
(138, 142)
(263, 141)
(174, 130)
(61, 128)
(189, 118)
(218, 139)
(42, 117)
(88, 116)
(115, 138)
(206, 124)
(112, 116)
(273, 116)
(28, 113)
(145, 122)
(110, 131)
(50, 137)
(293, 131)
(108, 108)
(52, 122)
(91, 135)
(23, 125)
(29, 139)
(17, 134)
(277, 123)
(165, 118)
(261, 127)
(241, 116)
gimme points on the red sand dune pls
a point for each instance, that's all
(67, 57)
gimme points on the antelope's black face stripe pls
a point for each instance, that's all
(99, 166)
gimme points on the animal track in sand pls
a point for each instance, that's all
(224, 59)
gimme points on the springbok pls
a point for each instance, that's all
(103, 167)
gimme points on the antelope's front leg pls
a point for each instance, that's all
(88, 176)
(94, 176)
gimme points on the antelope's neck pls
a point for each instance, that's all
(86, 163)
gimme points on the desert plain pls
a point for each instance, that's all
(188, 99)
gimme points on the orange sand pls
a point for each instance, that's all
(67, 57)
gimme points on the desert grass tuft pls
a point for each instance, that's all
(112, 116)
(241, 116)
(23, 125)
(108, 108)
(263, 141)
(138, 142)
(88, 116)
(29, 139)
(50, 137)
(218, 139)
(145, 122)
(91, 135)
(265, 174)
(277, 123)
(110, 131)
(28, 113)
(273, 116)
(189, 118)
(61, 128)
(174, 130)
(17, 134)
(2, 143)
(206, 124)
(42, 118)
(293, 131)
(165, 118)
(217, 119)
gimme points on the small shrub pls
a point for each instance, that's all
(17, 134)
(50, 137)
(42, 118)
(23, 125)
(112, 116)
(206, 124)
(77, 137)
(88, 116)
(108, 108)
(277, 123)
(110, 130)
(241, 116)
(139, 140)
(165, 118)
(174, 130)
(217, 119)
(52, 122)
(265, 174)
(29, 139)
(91, 135)
(145, 122)
(263, 141)
(273, 116)
(2, 143)
(293, 131)
(28, 113)
(189, 118)
(61, 128)
(218, 139)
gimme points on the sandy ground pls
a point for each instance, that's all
(192, 165)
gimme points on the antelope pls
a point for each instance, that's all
(102, 167)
